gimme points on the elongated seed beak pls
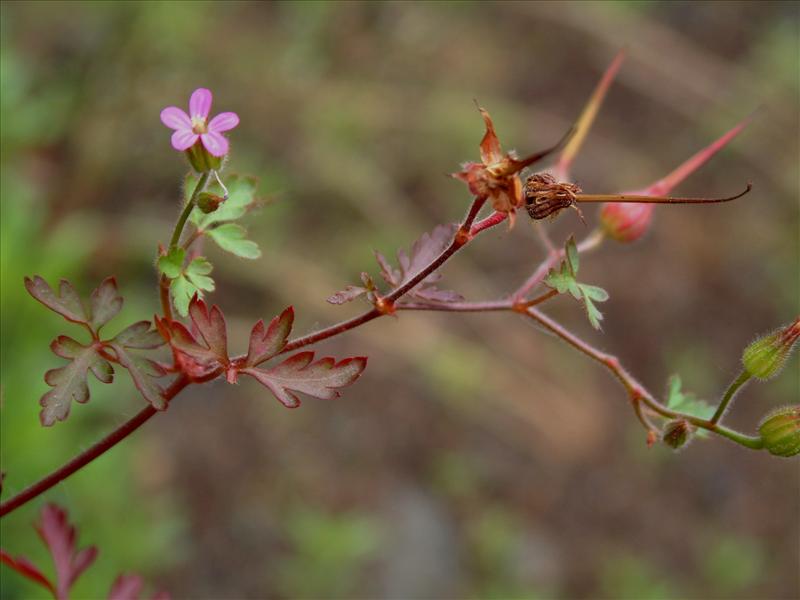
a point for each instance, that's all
(656, 199)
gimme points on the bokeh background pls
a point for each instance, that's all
(476, 457)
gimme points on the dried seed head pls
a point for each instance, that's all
(544, 196)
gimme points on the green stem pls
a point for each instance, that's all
(743, 378)
(187, 210)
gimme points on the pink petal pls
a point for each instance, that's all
(215, 143)
(183, 139)
(174, 118)
(200, 103)
(224, 122)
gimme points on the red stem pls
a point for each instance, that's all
(87, 456)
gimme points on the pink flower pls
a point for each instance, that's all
(188, 128)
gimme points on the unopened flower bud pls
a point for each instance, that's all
(626, 221)
(208, 202)
(780, 431)
(677, 433)
(765, 357)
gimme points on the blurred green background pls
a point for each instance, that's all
(476, 457)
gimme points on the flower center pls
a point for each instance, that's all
(199, 125)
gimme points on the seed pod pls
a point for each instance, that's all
(780, 431)
(625, 222)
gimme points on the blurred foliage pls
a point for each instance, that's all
(479, 456)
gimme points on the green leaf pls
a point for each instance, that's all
(193, 280)
(594, 292)
(571, 251)
(171, 264)
(592, 313)
(143, 372)
(687, 403)
(232, 238)
(241, 196)
(197, 272)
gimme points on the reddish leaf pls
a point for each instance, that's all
(69, 382)
(427, 248)
(59, 536)
(105, 303)
(27, 569)
(190, 357)
(351, 292)
(211, 326)
(139, 335)
(266, 344)
(298, 373)
(66, 302)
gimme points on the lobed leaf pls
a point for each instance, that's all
(320, 379)
(105, 303)
(193, 281)
(60, 538)
(190, 356)
(264, 344)
(563, 280)
(211, 326)
(66, 302)
(142, 371)
(232, 238)
(140, 336)
(427, 248)
(69, 382)
(171, 264)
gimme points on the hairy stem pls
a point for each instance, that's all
(164, 281)
(88, 455)
(740, 380)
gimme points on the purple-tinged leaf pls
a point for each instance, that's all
(389, 274)
(663, 186)
(69, 382)
(67, 303)
(142, 371)
(26, 568)
(351, 292)
(320, 379)
(424, 251)
(211, 326)
(59, 535)
(140, 336)
(264, 344)
(105, 303)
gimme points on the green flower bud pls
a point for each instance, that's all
(780, 431)
(202, 160)
(765, 357)
(677, 433)
(208, 202)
